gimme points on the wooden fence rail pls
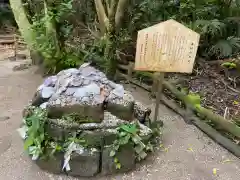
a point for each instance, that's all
(127, 72)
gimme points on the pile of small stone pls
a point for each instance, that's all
(87, 91)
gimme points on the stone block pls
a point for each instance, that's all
(125, 155)
(122, 107)
(141, 112)
(93, 139)
(109, 137)
(52, 165)
(84, 165)
(58, 132)
(64, 105)
(99, 138)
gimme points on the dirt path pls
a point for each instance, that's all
(188, 153)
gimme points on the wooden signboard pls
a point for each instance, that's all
(166, 47)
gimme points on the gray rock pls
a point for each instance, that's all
(126, 157)
(47, 92)
(86, 91)
(85, 164)
(70, 91)
(44, 105)
(50, 81)
(121, 107)
(141, 112)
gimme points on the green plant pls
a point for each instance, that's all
(6, 16)
(129, 134)
(53, 29)
(229, 65)
(37, 142)
(193, 99)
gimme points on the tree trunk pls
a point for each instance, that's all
(23, 23)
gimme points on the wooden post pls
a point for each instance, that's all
(158, 94)
(15, 47)
(130, 73)
(154, 88)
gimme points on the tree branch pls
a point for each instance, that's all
(108, 6)
(120, 13)
(112, 12)
(102, 17)
(23, 23)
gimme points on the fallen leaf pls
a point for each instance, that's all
(235, 102)
(190, 149)
(226, 161)
(215, 171)
(166, 149)
(161, 145)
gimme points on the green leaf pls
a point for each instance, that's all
(124, 140)
(229, 65)
(122, 134)
(116, 147)
(193, 99)
(149, 147)
(138, 148)
(116, 160)
(112, 153)
(29, 141)
(136, 139)
(131, 128)
(118, 166)
(142, 155)
(58, 148)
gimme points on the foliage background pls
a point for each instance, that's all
(77, 28)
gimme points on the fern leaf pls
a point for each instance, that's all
(234, 42)
(222, 49)
(212, 27)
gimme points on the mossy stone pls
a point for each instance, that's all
(85, 165)
(125, 155)
(53, 164)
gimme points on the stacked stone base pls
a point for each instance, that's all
(90, 163)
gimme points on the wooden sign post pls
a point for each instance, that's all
(166, 47)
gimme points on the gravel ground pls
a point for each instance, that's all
(186, 153)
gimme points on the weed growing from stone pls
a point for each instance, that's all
(76, 117)
(129, 135)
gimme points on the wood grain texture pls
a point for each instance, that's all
(166, 47)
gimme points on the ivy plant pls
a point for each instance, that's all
(129, 134)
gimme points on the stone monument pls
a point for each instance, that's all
(82, 124)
